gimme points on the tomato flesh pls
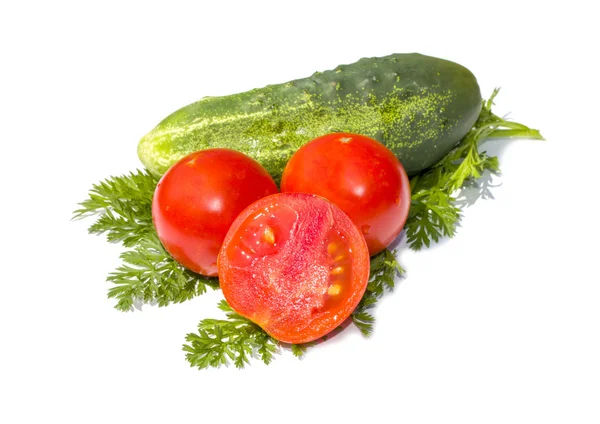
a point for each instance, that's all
(361, 176)
(199, 197)
(295, 264)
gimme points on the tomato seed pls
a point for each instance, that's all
(334, 290)
(269, 235)
(337, 270)
(331, 248)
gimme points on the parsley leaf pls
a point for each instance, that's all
(148, 274)
(123, 206)
(298, 350)
(235, 339)
(434, 211)
(384, 269)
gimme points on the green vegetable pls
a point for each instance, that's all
(418, 106)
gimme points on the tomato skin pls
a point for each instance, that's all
(199, 197)
(294, 264)
(361, 176)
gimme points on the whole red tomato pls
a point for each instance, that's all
(199, 197)
(361, 176)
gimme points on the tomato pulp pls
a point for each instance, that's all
(361, 176)
(294, 264)
(199, 197)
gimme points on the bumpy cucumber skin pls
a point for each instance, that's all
(418, 106)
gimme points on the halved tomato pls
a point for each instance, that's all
(295, 264)
(358, 174)
(198, 198)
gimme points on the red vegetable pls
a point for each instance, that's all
(295, 264)
(361, 176)
(198, 198)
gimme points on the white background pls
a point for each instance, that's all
(499, 325)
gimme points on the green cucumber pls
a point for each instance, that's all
(418, 106)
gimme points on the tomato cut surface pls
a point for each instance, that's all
(198, 198)
(295, 264)
(361, 176)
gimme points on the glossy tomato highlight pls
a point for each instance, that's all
(361, 176)
(199, 197)
(295, 264)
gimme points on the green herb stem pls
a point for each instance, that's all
(527, 133)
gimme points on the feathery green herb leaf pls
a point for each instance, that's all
(123, 206)
(298, 350)
(434, 212)
(384, 269)
(233, 340)
(149, 274)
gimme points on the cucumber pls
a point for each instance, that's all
(418, 106)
